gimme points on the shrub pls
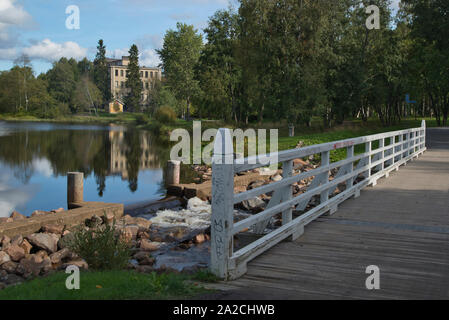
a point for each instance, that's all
(142, 119)
(101, 247)
(165, 114)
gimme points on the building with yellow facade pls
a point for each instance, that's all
(118, 70)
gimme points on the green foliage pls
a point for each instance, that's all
(101, 247)
(142, 119)
(165, 114)
(180, 54)
(133, 82)
(101, 72)
(105, 285)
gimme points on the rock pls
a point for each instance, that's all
(11, 279)
(127, 219)
(15, 252)
(6, 241)
(58, 210)
(58, 256)
(254, 205)
(37, 213)
(94, 221)
(132, 230)
(256, 184)
(239, 189)
(200, 238)
(10, 266)
(26, 246)
(143, 235)
(149, 245)
(144, 258)
(53, 228)
(65, 241)
(17, 216)
(144, 269)
(80, 263)
(108, 218)
(276, 177)
(34, 265)
(46, 241)
(142, 223)
(4, 257)
(17, 240)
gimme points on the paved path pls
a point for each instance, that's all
(401, 225)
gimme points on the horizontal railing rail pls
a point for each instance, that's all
(404, 145)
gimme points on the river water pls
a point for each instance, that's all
(120, 164)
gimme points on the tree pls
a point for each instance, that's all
(180, 54)
(133, 82)
(86, 95)
(24, 64)
(101, 72)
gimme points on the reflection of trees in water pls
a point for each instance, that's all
(96, 152)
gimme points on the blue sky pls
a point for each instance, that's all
(38, 27)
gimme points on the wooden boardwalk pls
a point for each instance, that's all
(401, 225)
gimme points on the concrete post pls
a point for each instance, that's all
(173, 171)
(75, 188)
(291, 130)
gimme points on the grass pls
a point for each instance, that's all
(106, 285)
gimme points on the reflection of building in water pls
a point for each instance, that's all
(120, 149)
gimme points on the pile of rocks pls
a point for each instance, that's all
(204, 173)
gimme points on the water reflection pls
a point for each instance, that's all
(38, 156)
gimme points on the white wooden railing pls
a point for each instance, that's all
(403, 146)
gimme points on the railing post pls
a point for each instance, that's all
(287, 171)
(368, 147)
(423, 135)
(325, 160)
(380, 166)
(222, 204)
(350, 154)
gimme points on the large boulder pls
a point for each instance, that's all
(4, 257)
(26, 246)
(46, 241)
(53, 228)
(34, 264)
(58, 256)
(5, 241)
(10, 266)
(15, 252)
(144, 258)
(17, 216)
(147, 245)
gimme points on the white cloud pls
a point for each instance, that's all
(43, 166)
(12, 15)
(8, 53)
(52, 51)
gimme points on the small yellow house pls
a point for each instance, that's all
(115, 106)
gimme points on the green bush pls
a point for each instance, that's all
(101, 247)
(165, 114)
(142, 119)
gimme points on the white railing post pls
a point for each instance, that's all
(287, 171)
(423, 139)
(222, 204)
(325, 160)
(368, 147)
(380, 166)
(350, 154)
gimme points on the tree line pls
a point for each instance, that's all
(271, 60)
(300, 59)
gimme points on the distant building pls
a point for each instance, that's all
(115, 106)
(118, 69)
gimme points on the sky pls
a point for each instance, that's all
(38, 27)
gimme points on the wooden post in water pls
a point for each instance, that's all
(75, 188)
(173, 171)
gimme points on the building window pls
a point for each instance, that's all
(121, 73)
(146, 74)
(122, 84)
(141, 74)
(116, 84)
(116, 72)
(127, 73)
(151, 74)
(146, 85)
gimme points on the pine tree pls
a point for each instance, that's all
(133, 82)
(101, 72)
